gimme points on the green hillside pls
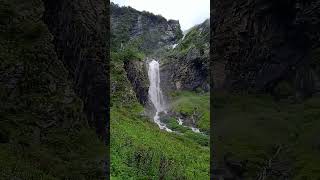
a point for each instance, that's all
(139, 149)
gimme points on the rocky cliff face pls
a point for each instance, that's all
(262, 46)
(258, 45)
(186, 67)
(144, 30)
(138, 76)
(53, 81)
(80, 37)
(135, 33)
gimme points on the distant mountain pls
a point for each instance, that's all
(144, 30)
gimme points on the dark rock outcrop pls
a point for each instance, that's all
(187, 66)
(138, 76)
(258, 44)
(53, 74)
(80, 37)
(144, 30)
(263, 46)
(139, 33)
(190, 73)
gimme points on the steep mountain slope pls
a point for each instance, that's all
(44, 114)
(144, 30)
(260, 44)
(80, 37)
(264, 65)
(139, 149)
(185, 72)
(186, 66)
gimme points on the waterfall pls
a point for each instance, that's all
(156, 97)
(155, 93)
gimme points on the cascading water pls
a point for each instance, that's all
(156, 96)
(155, 93)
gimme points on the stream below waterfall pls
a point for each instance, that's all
(157, 99)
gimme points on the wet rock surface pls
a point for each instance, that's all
(258, 44)
(53, 83)
(138, 76)
(80, 32)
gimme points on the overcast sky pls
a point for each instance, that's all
(188, 12)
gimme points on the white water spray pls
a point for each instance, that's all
(196, 130)
(156, 97)
(155, 93)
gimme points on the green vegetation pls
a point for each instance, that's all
(253, 127)
(43, 133)
(121, 90)
(174, 125)
(140, 150)
(192, 103)
(197, 37)
(186, 132)
(76, 154)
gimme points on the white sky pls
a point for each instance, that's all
(188, 12)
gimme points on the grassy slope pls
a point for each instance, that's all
(251, 127)
(139, 150)
(186, 102)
